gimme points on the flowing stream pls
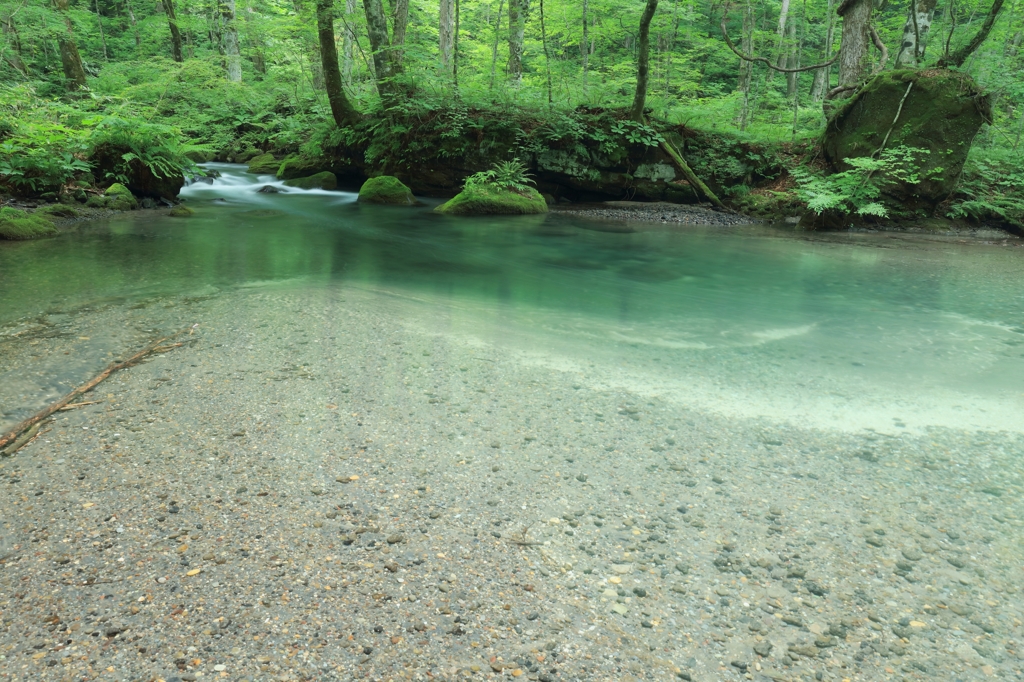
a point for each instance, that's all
(846, 332)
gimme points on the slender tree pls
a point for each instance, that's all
(230, 35)
(446, 33)
(14, 57)
(399, 26)
(70, 59)
(853, 51)
(643, 62)
(385, 65)
(172, 23)
(517, 12)
(494, 45)
(915, 33)
(341, 108)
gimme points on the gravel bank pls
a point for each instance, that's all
(655, 212)
(314, 489)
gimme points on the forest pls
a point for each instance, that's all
(774, 108)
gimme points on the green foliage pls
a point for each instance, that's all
(511, 176)
(39, 149)
(637, 133)
(992, 188)
(157, 147)
(858, 191)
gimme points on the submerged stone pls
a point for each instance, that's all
(325, 180)
(19, 225)
(181, 212)
(491, 200)
(386, 189)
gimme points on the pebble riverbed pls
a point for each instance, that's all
(632, 212)
(311, 488)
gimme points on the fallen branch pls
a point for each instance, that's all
(33, 421)
(690, 176)
(75, 406)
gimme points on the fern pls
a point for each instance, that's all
(506, 175)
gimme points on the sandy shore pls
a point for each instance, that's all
(316, 487)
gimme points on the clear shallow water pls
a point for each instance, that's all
(842, 333)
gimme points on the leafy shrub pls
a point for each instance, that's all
(992, 187)
(161, 149)
(858, 190)
(507, 175)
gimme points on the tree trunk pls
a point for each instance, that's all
(821, 77)
(915, 34)
(383, 59)
(399, 25)
(544, 44)
(791, 61)
(746, 68)
(584, 45)
(780, 48)
(231, 51)
(853, 51)
(70, 60)
(172, 22)
(960, 56)
(494, 46)
(636, 112)
(350, 39)
(135, 25)
(341, 109)
(446, 33)
(99, 23)
(517, 11)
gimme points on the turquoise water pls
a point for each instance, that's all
(844, 332)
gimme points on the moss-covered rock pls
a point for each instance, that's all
(57, 211)
(386, 189)
(15, 224)
(180, 212)
(96, 201)
(264, 164)
(324, 180)
(490, 200)
(297, 166)
(941, 113)
(119, 198)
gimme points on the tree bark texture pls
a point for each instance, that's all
(494, 46)
(783, 18)
(643, 62)
(792, 61)
(230, 37)
(517, 11)
(349, 42)
(446, 33)
(172, 23)
(853, 51)
(383, 59)
(70, 59)
(915, 34)
(819, 85)
(341, 109)
(399, 26)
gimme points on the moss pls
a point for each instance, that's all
(119, 198)
(940, 114)
(488, 200)
(296, 166)
(96, 201)
(325, 180)
(264, 164)
(386, 189)
(180, 212)
(15, 224)
(57, 211)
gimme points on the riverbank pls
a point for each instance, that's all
(322, 484)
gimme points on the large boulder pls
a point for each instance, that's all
(325, 180)
(493, 200)
(16, 224)
(934, 110)
(298, 166)
(386, 189)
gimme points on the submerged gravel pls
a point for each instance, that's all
(313, 488)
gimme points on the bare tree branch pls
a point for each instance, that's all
(881, 48)
(960, 56)
(765, 61)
